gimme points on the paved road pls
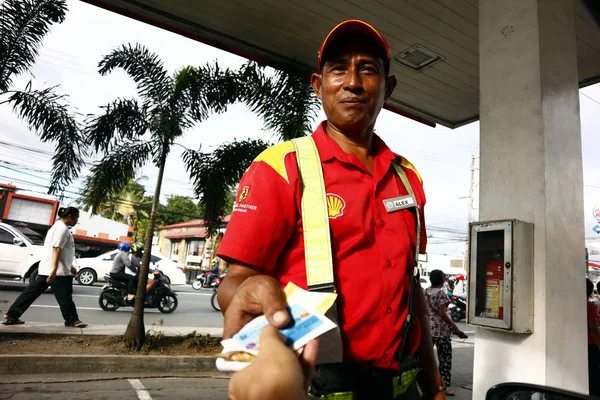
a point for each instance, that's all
(194, 307)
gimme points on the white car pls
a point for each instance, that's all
(20, 253)
(93, 269)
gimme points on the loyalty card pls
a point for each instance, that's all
(308, 323)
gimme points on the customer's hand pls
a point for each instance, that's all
(258, 295)
(277, 373)
(73, 271)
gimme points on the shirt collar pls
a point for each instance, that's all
(329, 149)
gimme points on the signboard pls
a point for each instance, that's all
(596, 214)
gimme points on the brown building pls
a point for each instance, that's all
(187, 243)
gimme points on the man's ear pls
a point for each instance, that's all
(316, 80)
(390, 85)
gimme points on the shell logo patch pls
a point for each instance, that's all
(335, 205)
(244, 193)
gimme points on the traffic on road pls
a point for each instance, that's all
(194, 308)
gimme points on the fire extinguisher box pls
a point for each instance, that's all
(501, 276)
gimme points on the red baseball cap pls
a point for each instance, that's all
(354, 26)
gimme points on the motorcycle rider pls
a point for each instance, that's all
(214, 272)
(460, 291)
(120, 263)
(137, 252)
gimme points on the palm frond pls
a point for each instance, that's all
(23, 25)
(214, 175)
(145, 68)
(111, 174)
(209, 89)
(285, 102)
(123, 119)
(45, 113)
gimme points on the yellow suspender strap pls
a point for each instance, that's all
(411, 317)
(315, 217)
(409, 190)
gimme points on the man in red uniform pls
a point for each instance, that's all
(373, 248)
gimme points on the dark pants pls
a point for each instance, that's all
(594, 369)
(366, 384)
(209, 279)
(444, 351)
(131, 281)
(63, 291)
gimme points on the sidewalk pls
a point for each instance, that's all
(103, 330)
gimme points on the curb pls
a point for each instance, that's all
(21, 364)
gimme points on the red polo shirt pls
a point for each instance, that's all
(372, 248)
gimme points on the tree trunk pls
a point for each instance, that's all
(135, 334)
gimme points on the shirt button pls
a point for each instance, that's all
(388, 263)
(389, 310)
(381, 223)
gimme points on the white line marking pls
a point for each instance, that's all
(140, 390)
(194, 294)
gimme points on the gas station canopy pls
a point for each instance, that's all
(434, 43)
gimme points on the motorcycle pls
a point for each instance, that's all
(114, 295)
(458, 309)
(215, 285)
(200, 279)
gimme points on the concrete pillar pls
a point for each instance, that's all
(531, 170)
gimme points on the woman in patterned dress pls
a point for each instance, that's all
(442, 326)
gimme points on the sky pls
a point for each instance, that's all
(69, 58)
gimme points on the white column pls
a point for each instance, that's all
(531, 170)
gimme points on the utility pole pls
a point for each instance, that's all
(471, 184)
(469, 213)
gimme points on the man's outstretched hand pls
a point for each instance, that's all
(258, 295)
(277, 373)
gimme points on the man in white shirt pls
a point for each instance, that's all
(56, 269)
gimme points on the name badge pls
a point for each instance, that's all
(399, 203)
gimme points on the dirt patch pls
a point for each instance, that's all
(156, 344)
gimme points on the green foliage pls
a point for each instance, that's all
(145, 68)
(287, 105)
(216, 173)
(23, 26)
(45, 114)
(123, 119)
(110, 175)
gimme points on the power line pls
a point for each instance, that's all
(589, 97)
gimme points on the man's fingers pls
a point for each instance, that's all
(308, 360)
(271, 297)
(234, 320)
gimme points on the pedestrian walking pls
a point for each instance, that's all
(442, 326)
(593, 320)
(56, 269)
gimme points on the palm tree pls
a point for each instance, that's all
(130, 133)
(23, 26)
(122, 206)
(287, 105)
